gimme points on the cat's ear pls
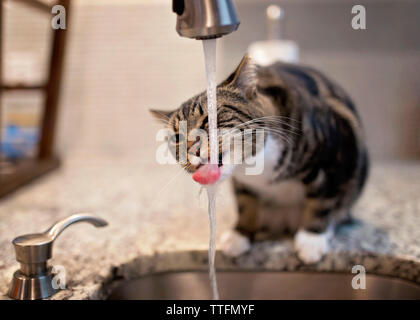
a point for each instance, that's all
(244, 77)
(161, 115)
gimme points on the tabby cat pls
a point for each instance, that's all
(314, 152)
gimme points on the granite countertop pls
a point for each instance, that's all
(158, 222)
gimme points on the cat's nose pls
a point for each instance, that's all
(194, 149)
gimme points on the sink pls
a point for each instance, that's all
(262, 285)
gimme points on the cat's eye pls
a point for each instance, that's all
(176, 138)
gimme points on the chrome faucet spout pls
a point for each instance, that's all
(205, 19)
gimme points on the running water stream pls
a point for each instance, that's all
(209, 47)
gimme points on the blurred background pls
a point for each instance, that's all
(74, 103)
(123, 57)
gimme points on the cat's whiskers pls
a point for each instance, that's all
(280, 135)
(279, 119)
(277, 132)
(257, 120)
(275, 122)
(171, 180)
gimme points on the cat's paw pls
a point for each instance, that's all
(233, 244)
(310, 246)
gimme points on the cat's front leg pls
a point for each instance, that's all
(312, 239)
(238, 241)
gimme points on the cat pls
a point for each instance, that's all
(314, 152)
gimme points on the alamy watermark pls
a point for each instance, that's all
(59, 279)
(59, 20)
(358, 22)
(359, 280)
(191, 147)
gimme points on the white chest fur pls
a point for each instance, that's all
(286, 192)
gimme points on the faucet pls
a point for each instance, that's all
(205, 19)
(34, 279)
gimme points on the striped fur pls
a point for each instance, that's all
(319, 133)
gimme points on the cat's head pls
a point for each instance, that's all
(238, 103)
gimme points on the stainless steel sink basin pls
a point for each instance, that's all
(263, 285)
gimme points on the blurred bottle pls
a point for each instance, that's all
(274, 48)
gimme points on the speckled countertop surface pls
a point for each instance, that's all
(158, 222)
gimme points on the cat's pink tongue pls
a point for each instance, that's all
(207, 174)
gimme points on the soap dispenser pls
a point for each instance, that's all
(274, 48)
